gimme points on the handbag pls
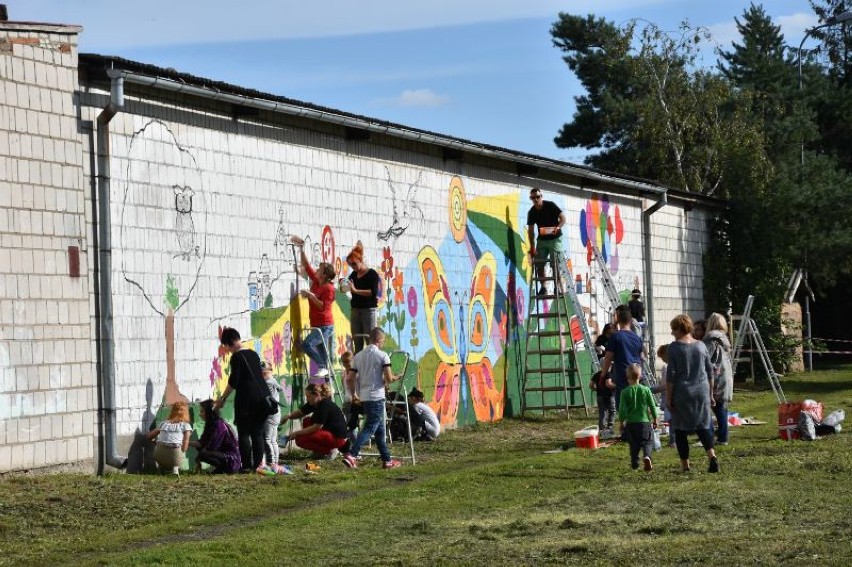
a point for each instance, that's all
(268, 403)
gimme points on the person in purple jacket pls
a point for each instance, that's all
(217, 447)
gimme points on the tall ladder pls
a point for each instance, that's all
(615, 301)
(551, 374)
(749, 327)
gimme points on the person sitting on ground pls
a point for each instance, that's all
(637, 413)
(271, 450)
(218, 445)
(172, 439)
(371, 372)
(323, 427)
(424, 421)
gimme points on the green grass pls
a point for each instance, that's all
(482, 495)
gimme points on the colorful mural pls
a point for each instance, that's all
(468, 291)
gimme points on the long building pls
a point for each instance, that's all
(142, 209)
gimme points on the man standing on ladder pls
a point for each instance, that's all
(549, 219)
(623, 349)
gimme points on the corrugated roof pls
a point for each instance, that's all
(97, 65)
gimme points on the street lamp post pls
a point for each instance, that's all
(832, 21)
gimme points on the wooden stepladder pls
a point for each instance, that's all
(748, 329)
(615, 301)
(552, 378)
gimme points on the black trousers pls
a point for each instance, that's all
(252, 443)
(639, 436)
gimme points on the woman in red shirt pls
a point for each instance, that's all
(320, 301)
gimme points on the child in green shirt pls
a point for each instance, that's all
(637, 411)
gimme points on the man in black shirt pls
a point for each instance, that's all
(637, 308)
(548, 219)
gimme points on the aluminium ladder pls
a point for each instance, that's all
(615, 301)
(551, 374)
(749, 327)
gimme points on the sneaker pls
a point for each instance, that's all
(282, 469)
(648, 465)
(391, 464)
(714, 465)
(350, 461)
(721, 442)
(263, 470)
(333, 455)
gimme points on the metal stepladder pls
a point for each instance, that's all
(552, 376)
(615, 301)
(749, 328)
(332, 378)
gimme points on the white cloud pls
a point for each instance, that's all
(793, 27)
(725, 33)
(118, 23)
(418, 97)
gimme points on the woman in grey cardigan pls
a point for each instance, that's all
(719, 349)
(689, 388)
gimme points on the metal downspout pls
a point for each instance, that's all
(104, 328)
(649, 272)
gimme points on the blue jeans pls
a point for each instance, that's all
(374, 423)
(720, 410)
(314, 345)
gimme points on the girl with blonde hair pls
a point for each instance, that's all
(719, 349)
(172, 439)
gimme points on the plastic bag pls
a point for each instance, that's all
(807, 428)
(834, 418)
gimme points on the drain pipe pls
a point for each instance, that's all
(649, 273)
(104, 329)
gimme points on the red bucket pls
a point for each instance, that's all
(587, 438)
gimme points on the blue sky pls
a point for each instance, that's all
(483, 70)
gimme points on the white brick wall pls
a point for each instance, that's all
(242, 180)
(250, 183)
(44, 325)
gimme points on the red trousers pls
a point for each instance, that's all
(320, 441)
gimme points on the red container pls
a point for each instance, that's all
(588, 438)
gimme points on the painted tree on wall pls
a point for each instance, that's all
(163, 224)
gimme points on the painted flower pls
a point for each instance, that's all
(504, 326)
(215, 371)
(387, 263)
(412, 301)
(277, 349)
(398, 283)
